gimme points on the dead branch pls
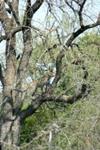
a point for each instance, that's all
(36, 103)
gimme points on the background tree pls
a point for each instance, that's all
(17, 69)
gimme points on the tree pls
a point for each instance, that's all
(17, 69)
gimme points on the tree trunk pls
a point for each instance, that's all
(9, 130)
(9, 122)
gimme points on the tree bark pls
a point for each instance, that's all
(14, 75)
(9, 123)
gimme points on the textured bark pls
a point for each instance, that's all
(14, 74)
(9, 123)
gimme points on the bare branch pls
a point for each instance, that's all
(80, 31)
(1, 75)
(16, 30)
(70, 5)
(30, 11)
(58, 66)
(80, 12)
(13, 11)
(53, 98)
(36, 6)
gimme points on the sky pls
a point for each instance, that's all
(92, 9)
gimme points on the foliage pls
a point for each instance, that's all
(77, 125)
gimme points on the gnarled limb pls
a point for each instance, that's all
(39, 100)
